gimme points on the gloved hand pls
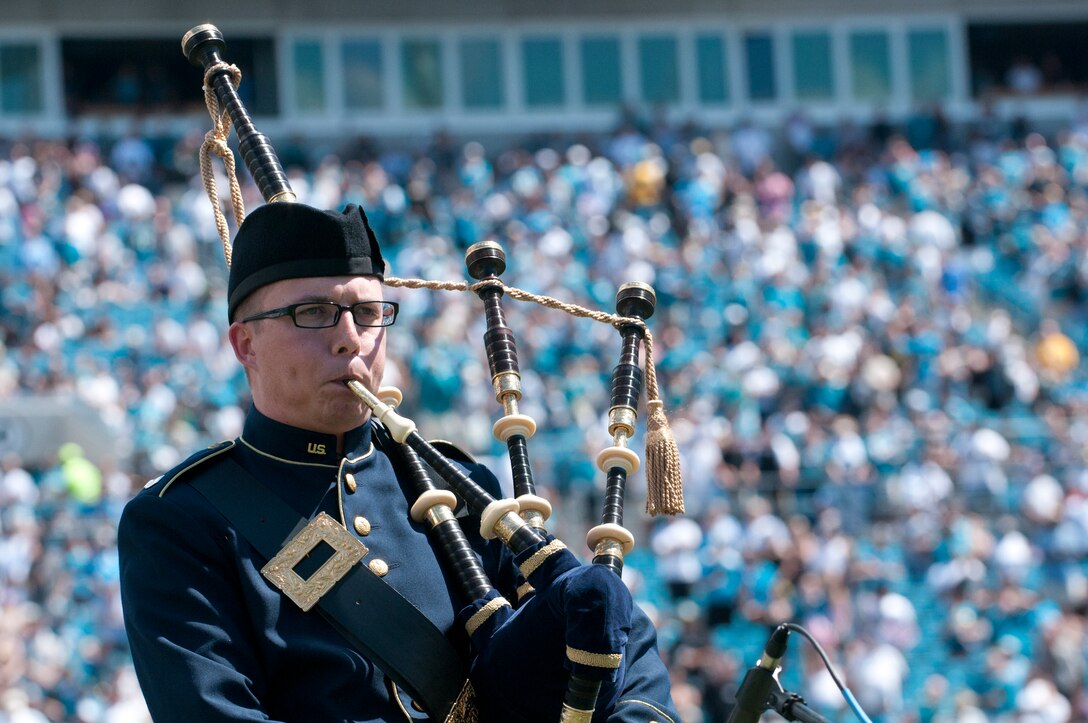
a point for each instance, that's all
(522, 664)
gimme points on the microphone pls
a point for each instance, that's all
(754, 693)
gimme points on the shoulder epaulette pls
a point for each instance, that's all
(448, 449)
(452, 451)
(195, 460)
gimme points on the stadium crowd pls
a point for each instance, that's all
(868, 339)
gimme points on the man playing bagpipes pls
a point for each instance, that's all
(288, 574)
(312, 569)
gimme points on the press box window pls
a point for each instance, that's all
(1055, 48)
(421, 74)
(870, 66)
(481, 74)
(930, 66)
(542, 65)
(362, 64)
(20, 79)
(602, 82)
(659, 70)
(759, 52)
(813, 74)
(710, 62)
(123, 75)
(308, 64)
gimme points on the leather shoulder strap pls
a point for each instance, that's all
(377, 621)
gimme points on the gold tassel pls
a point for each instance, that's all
(664, 484)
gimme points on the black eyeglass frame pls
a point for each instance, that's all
(290, 310)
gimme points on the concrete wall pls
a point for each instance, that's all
(124, 16)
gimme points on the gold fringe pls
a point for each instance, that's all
(664, 486)
(464, 708)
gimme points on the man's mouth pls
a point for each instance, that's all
(345, 381)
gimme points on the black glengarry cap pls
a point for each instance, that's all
(292, 241)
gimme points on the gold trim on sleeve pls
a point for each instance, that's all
(484, 614)
(537, 558)
(595, 660)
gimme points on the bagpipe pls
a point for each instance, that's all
(570, 624)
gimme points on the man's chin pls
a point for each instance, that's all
(346, 415)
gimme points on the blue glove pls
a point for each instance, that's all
(576, 622)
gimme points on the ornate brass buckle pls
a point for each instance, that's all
(280, 570)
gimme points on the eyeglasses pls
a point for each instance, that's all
(323, 314)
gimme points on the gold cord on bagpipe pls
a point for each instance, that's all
(215, 141)
(518, 525)
(664, 486)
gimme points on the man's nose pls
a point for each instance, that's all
(348, 335)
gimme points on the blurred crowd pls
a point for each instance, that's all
(868, 341)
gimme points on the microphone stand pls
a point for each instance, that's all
(753, 696)
(792, 707)
(761, 690)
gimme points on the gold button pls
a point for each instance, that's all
(349, 482)
(362, 525)
(378, 567)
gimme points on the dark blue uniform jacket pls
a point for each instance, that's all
(213, 640)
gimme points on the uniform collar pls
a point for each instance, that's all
(301, 446)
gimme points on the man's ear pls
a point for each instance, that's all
(241, 340)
